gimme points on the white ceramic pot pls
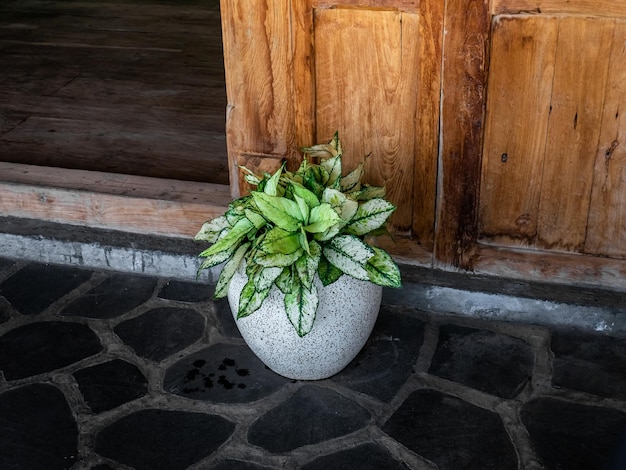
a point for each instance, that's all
(345, 317)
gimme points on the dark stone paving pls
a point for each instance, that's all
(103, 370)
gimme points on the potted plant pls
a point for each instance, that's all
(295, 252)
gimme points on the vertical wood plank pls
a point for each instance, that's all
(578, 94)
(366, 87)
(518, 107)
(606, 228)
(258, 60)
(427, 125)
(606, 8)
(464, 80)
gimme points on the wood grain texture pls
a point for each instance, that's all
(96, 209)
(258, 59)
(464, 82)
(518, 109)
(369, 94)
(577, 98)
(401, 5)
(606, 227)
(552, 267)
(427, 124)
(606, 8)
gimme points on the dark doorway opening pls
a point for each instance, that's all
(134, 87)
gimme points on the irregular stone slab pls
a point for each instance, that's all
(239, 465)
(186, 291)
(105, 386)
(571, 436)
(451, 432)
(590, 363)
(494, 363)
(36, 286)
(46, 346)
(222, 373)
(363, 457)
(388, 358)
(37, 430)
(113, 297)
(5, 263)
(313, 414)
(226, 324)
(5, 310)
(170, 330)
(173, 440)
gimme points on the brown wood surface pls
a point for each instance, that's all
(606, 227)
(606, 8)
(369, 94)
(464, 81)
(518, 109)
(580, 78)
(132, 88)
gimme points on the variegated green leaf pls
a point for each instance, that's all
(383, 270)
(228, 271)
(336, 143)
(349, 254)
(215, 258)
(231, 240)
(301, 306)
(311, 183)
(250, 299)
(298, 190)
(322, 151)
(307, 264)
(280, 241)
(257, 219)
(368, 192)
(352, 181)
(281, 211)
(333, 168)
(369, 216)
(264, 278)
(284, 280)
(277, 259)
(322, 218)
(250, 176)
(213, 229)
(271, 186)
(331, 233)
(328, 272)
(304, 208)
(343, 205)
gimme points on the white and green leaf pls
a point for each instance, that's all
(352, 181)
(368, 192)
(322, 218)
(333, 168)
(280, 241)
(281, 211)
(228, 271)
(370, 215)
(230, 240)
(264, 278)
(213, 229)
(383, 270)
(301, 306)
(250, 299)
(344, 206)
(349, 254)
(271, 186)
(328, 272)
(277, 259)
(307, 264)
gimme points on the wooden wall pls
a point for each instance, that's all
(495, 125)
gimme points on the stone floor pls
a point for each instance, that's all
(110, 370)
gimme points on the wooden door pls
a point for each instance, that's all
(298, 71)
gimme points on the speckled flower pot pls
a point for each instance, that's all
(345, 317)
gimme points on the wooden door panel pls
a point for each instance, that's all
(368, 93)
(606, 8)
(518, 104)
(606, 229)
(576, 110)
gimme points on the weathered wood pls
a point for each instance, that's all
(115, 184)
(518, 108)
(553, 267)
(401, 5)
(96, 209)
(370, 95)
(258, 59)
(606, 227)
(427, 124)
(464, 80)
(606, 8)
(576, 110)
